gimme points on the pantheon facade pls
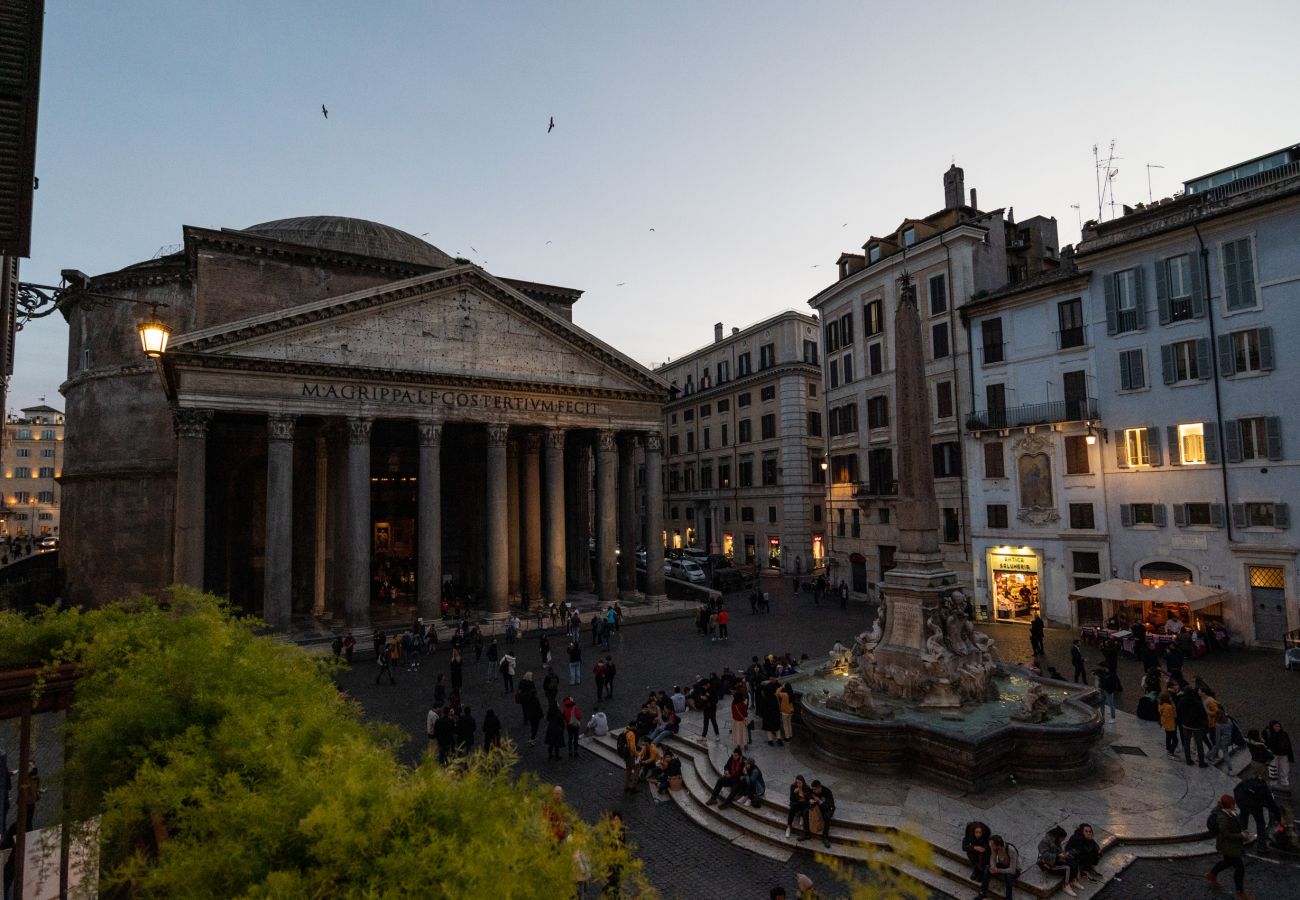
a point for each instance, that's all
(345, 411)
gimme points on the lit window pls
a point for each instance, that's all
(1137, 451)
(1191, 443)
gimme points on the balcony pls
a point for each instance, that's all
(880, 488)
(1035, 414)
(1067, 338)
(993, 353)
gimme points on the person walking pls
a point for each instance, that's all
(1279, 743)
(385, 665)
(554, 730)
(575, 662)
(1108, 684)
(544, 648)
(507, 669)
(1169, 722)
(844, 594)
(724, 618)
(457, 670)
(349, 646)
(491, 730)
(572, 723)
(493, 660)
(1076, 657)
(430, 725)
(1229, 842)
(610, 671)
(444, 735)
(739, 720)
(707, 701)
(1036, 628)
(1192, 722)
(465, 727)
(598, 675)
(785, 702)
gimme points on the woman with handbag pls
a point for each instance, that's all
(740, 719)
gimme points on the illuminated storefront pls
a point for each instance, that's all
(729, 545)
(774, 553)
(1014, 574)
(819, 551)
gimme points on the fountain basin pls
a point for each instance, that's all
(971, 748)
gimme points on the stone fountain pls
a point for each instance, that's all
(921, 691)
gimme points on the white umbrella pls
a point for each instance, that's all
(1196, 596)
(1114, 589)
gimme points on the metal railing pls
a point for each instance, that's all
(994, 353)
(1250, 182)
(1067, 338)
(876, 489)
(1035, 414)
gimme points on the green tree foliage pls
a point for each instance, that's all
(224, 764)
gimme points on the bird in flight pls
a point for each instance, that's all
(817, 266)
(845, 225)
(652, 229)
(471, 248)
(548, 243)
(620, 284)
(551, 127)
(426, 234)
(323, 111)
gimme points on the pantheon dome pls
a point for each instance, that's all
(348, 235)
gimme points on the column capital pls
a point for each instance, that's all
(512, 448)
(532, 443)
(359, 430)
(629, 440)
(191, 423)
(280, 427)
(497, 435)
(555, 438)
(430, 433)
(605, 441)
(654, 441)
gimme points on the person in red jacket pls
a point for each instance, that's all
(740, 719)
(723, 618)
(572, 723)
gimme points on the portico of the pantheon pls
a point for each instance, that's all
(344, 407)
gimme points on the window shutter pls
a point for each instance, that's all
(1232, 440)
(1138, 369)
(1266, 349)
(1153, 445)
(1125, 376)
(1230, 274)
(1121, 451)
(1126, 515)
(1112, 305)
(1281, 516)
(1227, 359)
(1198, 285)
(1211, 442)
(1216, 515)
(1167, 363)
(1239, 515)
(1140, 296)
(1245, 275)
(1162, 292)
(1180, 515)
(1161, 514)
(1203, 361)
(1273, 431)
(1175, 450)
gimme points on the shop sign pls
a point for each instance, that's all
(1008, 562)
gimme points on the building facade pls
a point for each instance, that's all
(1033, 449)
(950, 256)
(744, 428)
(1192, 298)
(345, 411)
(32, 461)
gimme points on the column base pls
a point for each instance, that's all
(655, 598)
(630, 596)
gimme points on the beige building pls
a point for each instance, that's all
(32, 460)
(744, 427)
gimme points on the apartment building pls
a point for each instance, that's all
(744, 446)
(32, 460)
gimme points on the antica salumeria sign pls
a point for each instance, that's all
(459, 400)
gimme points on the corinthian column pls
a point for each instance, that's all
(428, 588)
(513, 481)
(277, 596)
(191, 427)
(356, 581)
(627, 522)
(606, 516)
(555, 579)
(654, 516)
(530, 514)
(498, 528)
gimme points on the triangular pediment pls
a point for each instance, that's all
(459, 323)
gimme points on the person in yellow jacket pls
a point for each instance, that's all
(1169, 722)
(787, 712)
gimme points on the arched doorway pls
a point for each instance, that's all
(1161, 572)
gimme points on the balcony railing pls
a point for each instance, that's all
(993, 353)
(880, 488)
(1071, 337)
(1035, 414)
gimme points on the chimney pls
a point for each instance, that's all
(717, 332)
(954, 187)
(735, 329)
(974, 204)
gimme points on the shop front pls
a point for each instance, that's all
(729, 545)
(819, 551)
(1014, 583)
(774, 553)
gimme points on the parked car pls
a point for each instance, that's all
(49, 542)
(686, 570)
(696, 555)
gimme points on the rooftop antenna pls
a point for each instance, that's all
(1150, 166)
(1078, 215)
(1105, 185)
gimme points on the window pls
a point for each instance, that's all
(995, 400)
(724, 375)
(943, 400)
(771, 514)
(832, 337)
(1069, 317)
(880, 470)
(1185, 361)
(873, 254)
(839, 523)
(814, 424)
(1076, 455)
(706, 476)
(45, 517)
(1132, 371)
(1191, 515)
(674, 481)
(997, 515)
(844, 468)
(817, 512)
(810, 352)
(1177, 293)
(743, 365)
(688, 482)
(947, 459)
(939, 340)
(674, 416)
(1250, 350)
(688, 415)
(938, 294)
(1131, 514)
(724, 406)
(847, 365)
(833, 373)
(995, 464)
(724, 434)
(47, 434)
(690, 513)
(724, 473)
(1139, 447)
(1125, 302)
(812, 389)
(22, 496)
(846, 330)
(1259, 437)
(1081, 517)
(706, 411)
(873, 318)
(769, 471)
(690, 442)
(767, 425)
(1086, 562)
(24, 452)
(747, 514)
(45, 497)
(1239, 274)
(1261, 515)
(47, 472)
(875, 359)
(878, 411)
(1189, 449)
(767, 393)
(22, 472)
(745, 471)
(47, 452)
(690, 387)
(708, 444)
(909, 236)
(951, 525)
(815, 466)
(744, 433)
(767, 356)
(743, 400)
(24, 434)
(991, 333)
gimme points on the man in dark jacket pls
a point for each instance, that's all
(1076, 657)
(1192, 722)
(1036, 636)
(1253, 797)
(444, 734)
(823, 799)
(1229, 841)
(465, 732)
(1279, 742)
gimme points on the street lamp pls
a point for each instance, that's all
(35, 301)
(154, 334)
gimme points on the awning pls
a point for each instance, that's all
(1196, 596)
(1114, 589)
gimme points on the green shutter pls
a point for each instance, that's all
(1239, 515)
(1281, 516)
(1245, 274)
(1160, 515)
(1216, 515)
(1126, 515)
(1230, 274)
(1125, 377)
(1121, 450)
(1180, 515)
(1162, 291)
(1112, 304)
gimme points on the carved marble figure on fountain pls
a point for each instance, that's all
(1037, 706)
(840, 658)
(857, 699)
(936, 649)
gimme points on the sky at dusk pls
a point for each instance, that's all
(758, 139)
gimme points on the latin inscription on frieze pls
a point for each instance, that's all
(449, 400)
